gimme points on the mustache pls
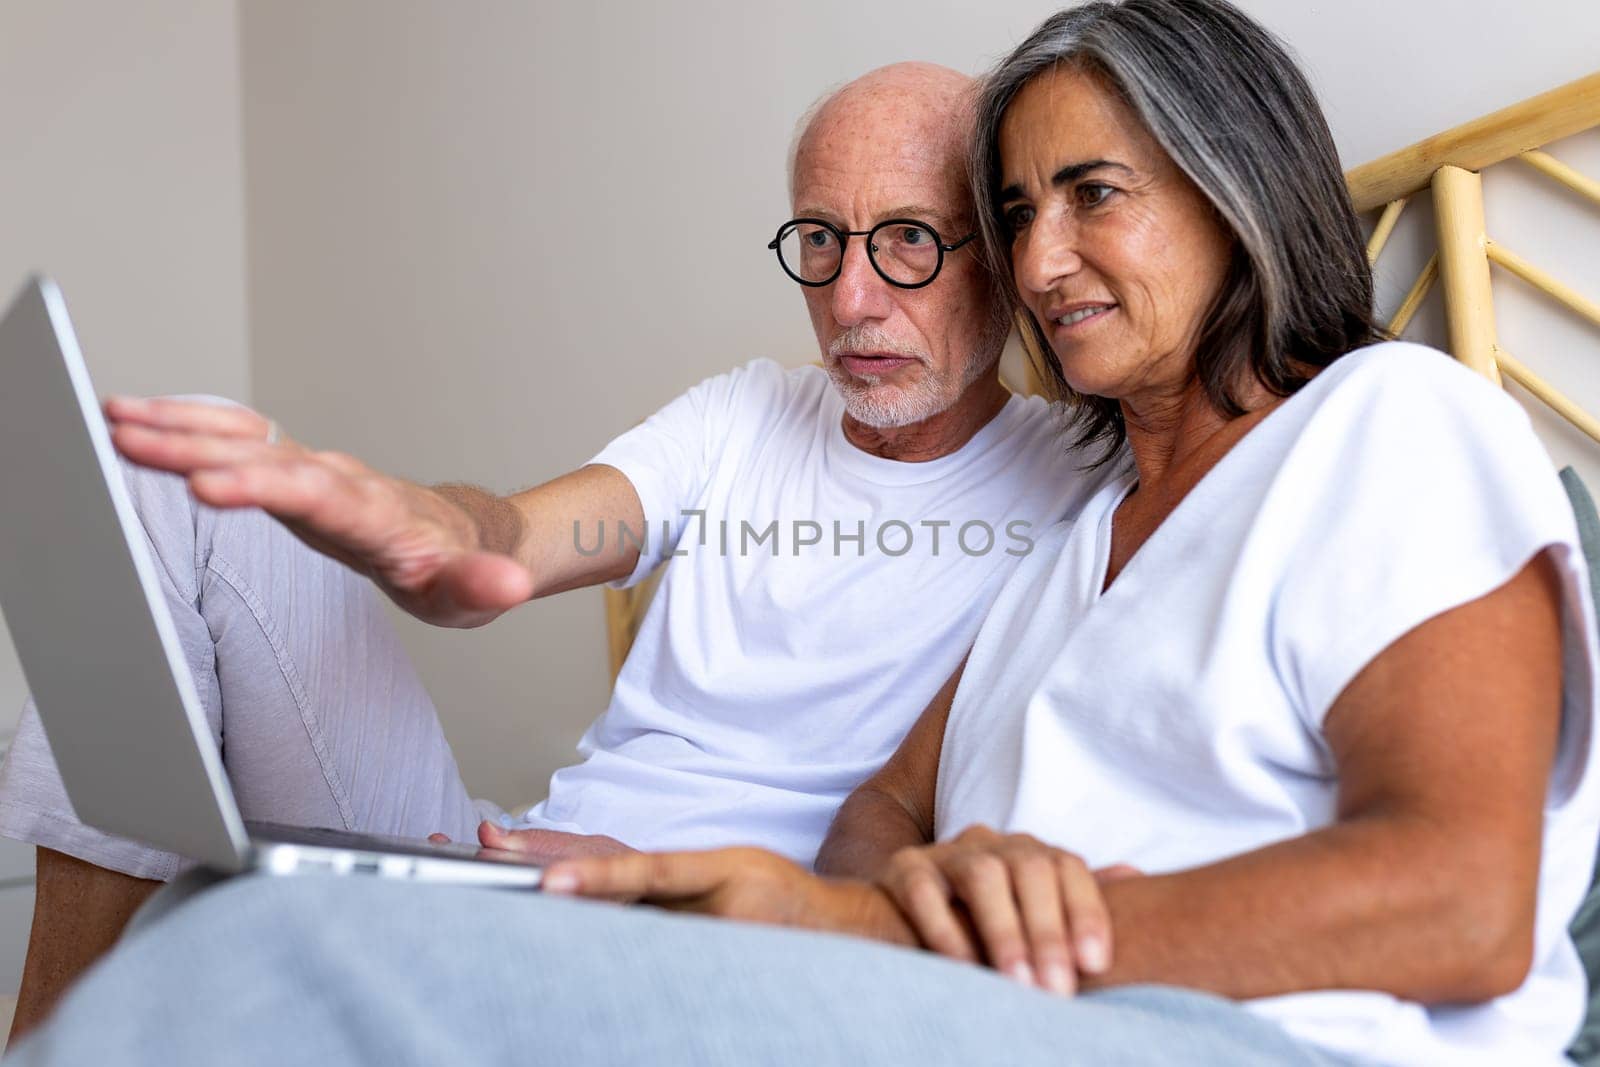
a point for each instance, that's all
(868, 338)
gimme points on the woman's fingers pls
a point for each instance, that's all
(983, 882)
(1087, 917)
(924, 897)
(746, 884)
(653, 876)
(548, 845)
(1038, 913)
(1117, 872)
(1044, 918)
(188, 416)
(621, 878)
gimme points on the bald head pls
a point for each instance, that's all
(923, 107)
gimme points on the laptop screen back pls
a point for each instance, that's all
(83, 601)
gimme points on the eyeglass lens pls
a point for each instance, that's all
(905, 252)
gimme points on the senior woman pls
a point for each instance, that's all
(1282, 753)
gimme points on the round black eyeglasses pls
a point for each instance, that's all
(906, 253)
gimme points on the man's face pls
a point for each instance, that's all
(897, 356)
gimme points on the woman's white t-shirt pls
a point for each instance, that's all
(1176, 719)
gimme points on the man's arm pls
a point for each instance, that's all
(452, 556)
(894, 808)
(544, 528)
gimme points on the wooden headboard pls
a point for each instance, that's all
(1449, 164)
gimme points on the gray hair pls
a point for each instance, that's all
(1223, 97)
(802, 126)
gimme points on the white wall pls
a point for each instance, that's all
(120, 175)
(484, 238)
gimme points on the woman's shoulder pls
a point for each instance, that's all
(1419, 373)
(1401, 435)
(1396, 389)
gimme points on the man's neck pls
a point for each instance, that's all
(938, 435)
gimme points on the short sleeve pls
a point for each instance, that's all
(671, 456)
(1414, 488)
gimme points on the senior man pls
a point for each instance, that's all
(837, 535)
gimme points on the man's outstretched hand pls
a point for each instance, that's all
(420, 548)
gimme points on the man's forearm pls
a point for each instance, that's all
(500, 526)
(540, 527)
(1376, 904)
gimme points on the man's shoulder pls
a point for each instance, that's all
(788, 379)
(1034, 427)
(764, 390)
(1035, 413)
(764, 374)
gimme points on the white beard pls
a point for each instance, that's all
(872, 402)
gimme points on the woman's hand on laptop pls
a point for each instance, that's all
(748, 884)
(544, 845)
(420, 548)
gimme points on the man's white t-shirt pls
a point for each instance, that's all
(1176, 719)
(813, 603)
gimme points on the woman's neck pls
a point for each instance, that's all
(1174, 442)
(1175, 438)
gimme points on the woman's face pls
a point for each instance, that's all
(1114, 250)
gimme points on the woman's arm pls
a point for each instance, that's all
(1426, 887)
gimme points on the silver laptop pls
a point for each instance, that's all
(101, 656)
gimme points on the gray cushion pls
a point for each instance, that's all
(1586, 925)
